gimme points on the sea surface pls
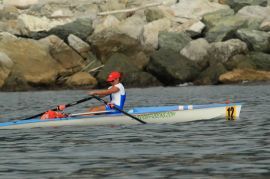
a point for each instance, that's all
(204, 149)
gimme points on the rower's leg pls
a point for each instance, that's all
(97, 108)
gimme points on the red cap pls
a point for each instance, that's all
(113, 75)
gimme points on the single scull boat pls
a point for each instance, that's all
(156, 115)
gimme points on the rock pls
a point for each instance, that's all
(225, 28)
(21, 4)
(10, 26)
(63, 54)
(6, 65)
(240, 62)
(253, 60)
(260, 60)
(171, 68)
(256, 40)
(153, 14)
(33, 64)
(81, 79)
(172, 40)
(265, 26)
(239, 4)
(191, 27)
(113, 5)
(140, 60)
(9, 13)
(132, 76)
(29, 24)
(257, 12)
(104, 23)
(17, 82)
(79, 45)
(92, 64)
(132, 26)
(106, 43)
(221, 52)
(210, 19)
(242, 75)
(195, 9)
(211, 75)
(152, 29)
(196, 29)
(196, 50)
(82, 28)
(61, 14)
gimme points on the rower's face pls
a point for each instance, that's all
(114, 82)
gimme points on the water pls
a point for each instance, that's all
(206, 149)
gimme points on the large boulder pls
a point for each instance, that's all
(132, 76)
(29, 24)
(196, 8)
(6, 65)
(104, 23)
(21, 4)
(239, 4)
(244, 75)
(211, 75)
(81, 27)
(140, 60)
(257, 12)
(196, 29)
(81, 79)
(152, 29)
(221, 52)
(132, 26)
(210, 19)
(253, 60)
(153, 14)
(265, 26)
(173, 40)
(109, 42)
(256, 40)
(32, 61)
(225, 28)
(63, 54)
(10, 26)
(196, 50)
(171, 68)
(79, 45)
(9, 13)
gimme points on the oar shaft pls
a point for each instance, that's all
(118, 109)
(54, 109)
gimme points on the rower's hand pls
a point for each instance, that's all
(61, 107)
(93, 93)
(111, 105)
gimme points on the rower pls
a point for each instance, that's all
(116, 92)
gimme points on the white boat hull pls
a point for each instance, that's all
(152, 115)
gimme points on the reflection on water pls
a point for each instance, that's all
(205, 149)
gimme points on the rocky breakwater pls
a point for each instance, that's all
(64, 43)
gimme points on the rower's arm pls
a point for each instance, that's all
(102, 93)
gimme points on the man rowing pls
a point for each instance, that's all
(116, 91)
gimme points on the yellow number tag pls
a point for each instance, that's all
(231, 112)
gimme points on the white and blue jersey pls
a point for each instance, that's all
(118, 98)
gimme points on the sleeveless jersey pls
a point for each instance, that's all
(119, 97)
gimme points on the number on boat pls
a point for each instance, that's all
(231, 113)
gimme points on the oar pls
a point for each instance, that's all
(118, 109)
(54, 109)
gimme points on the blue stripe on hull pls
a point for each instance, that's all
(175, 108)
